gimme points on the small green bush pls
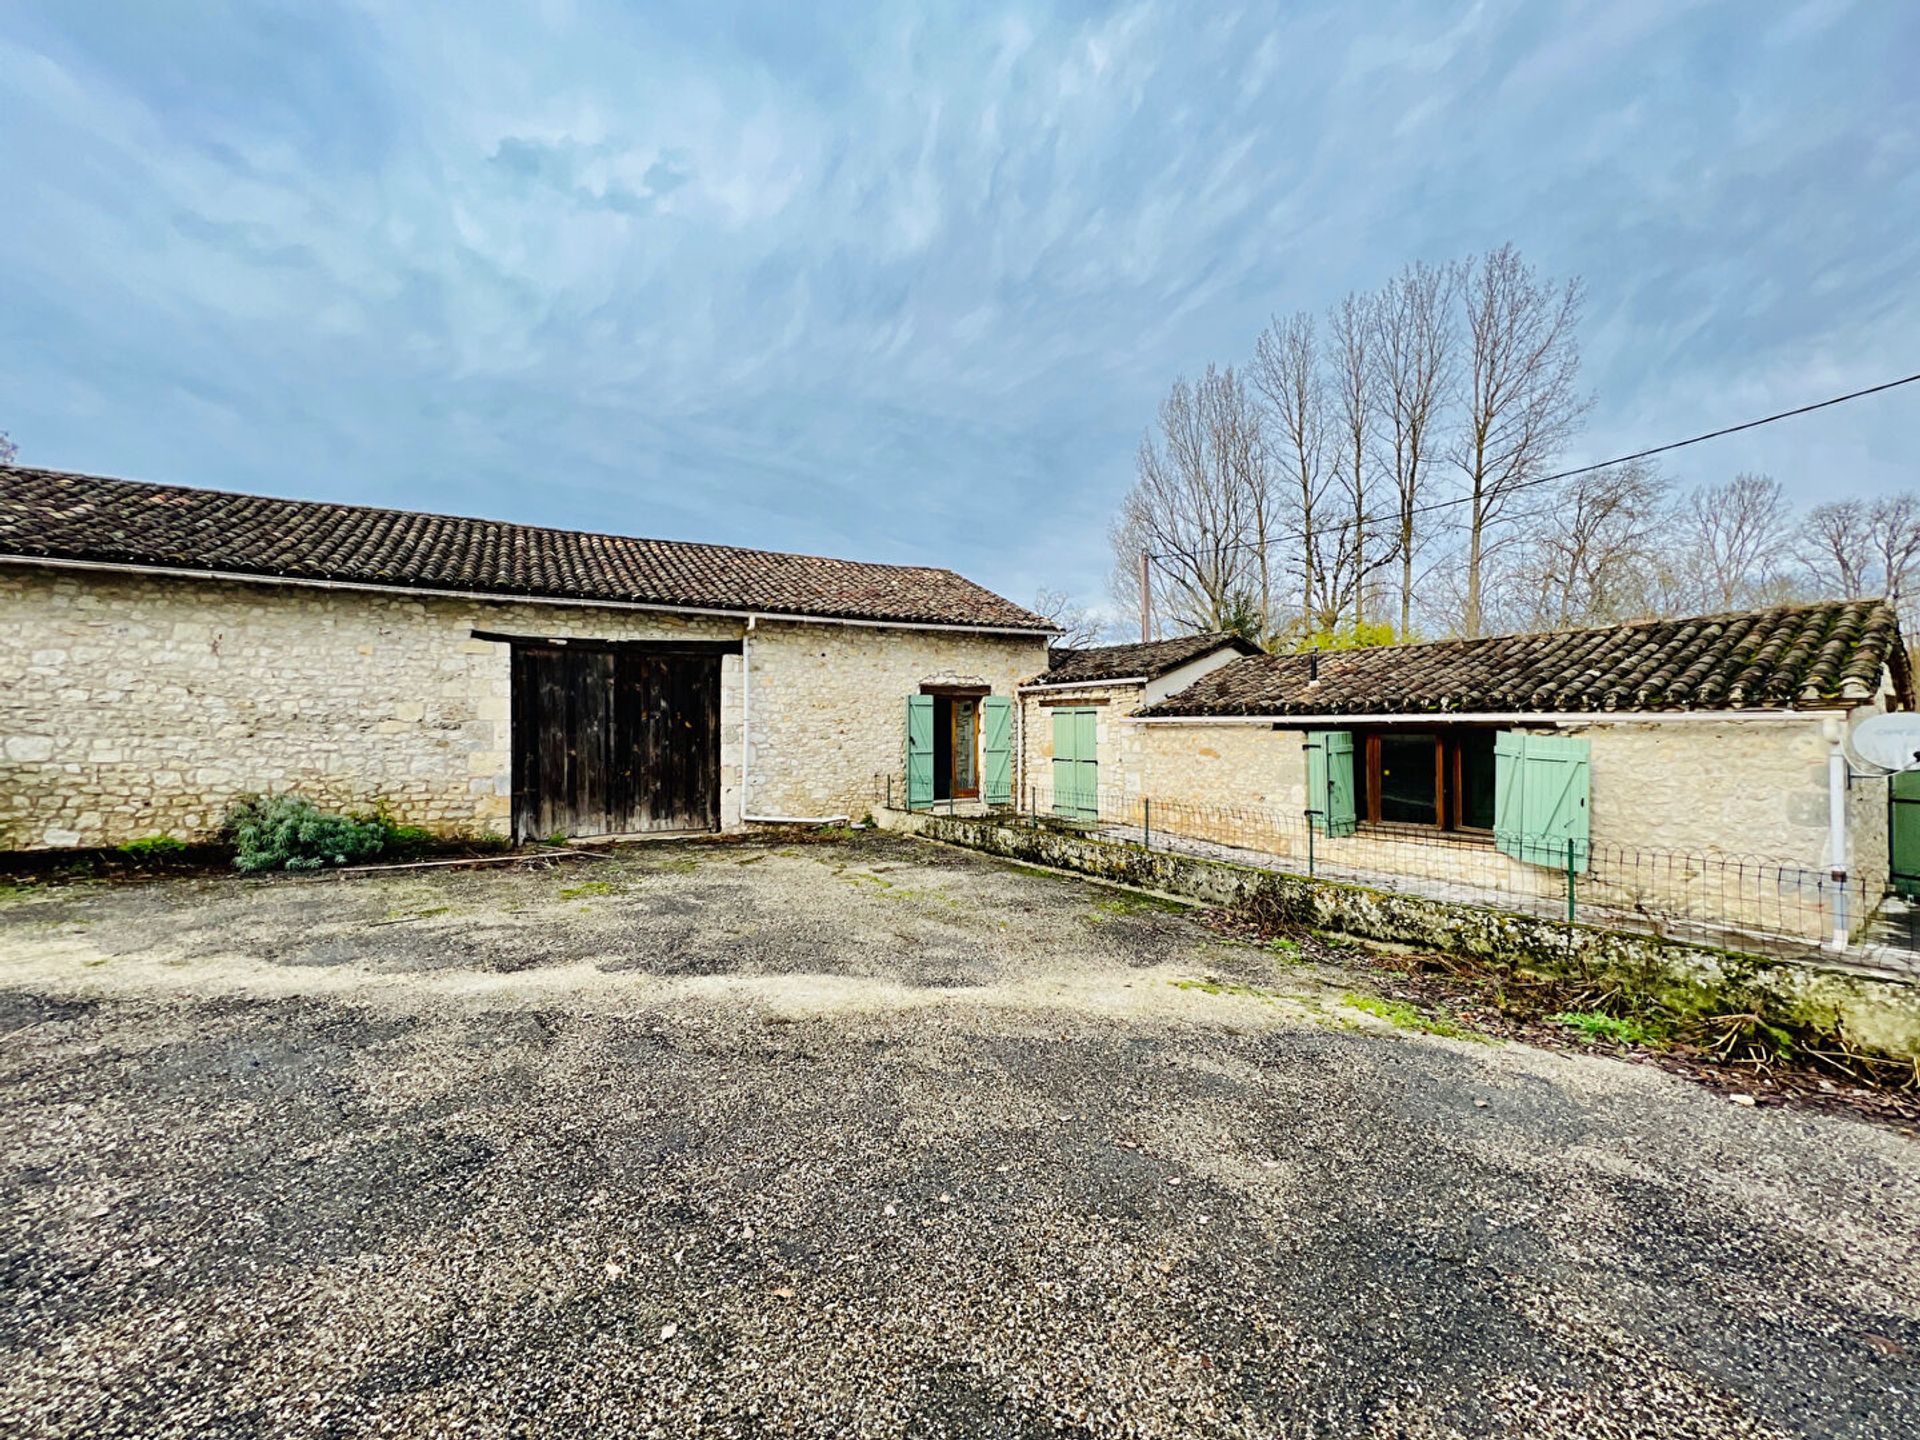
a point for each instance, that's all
(288, 832)
(149, 848)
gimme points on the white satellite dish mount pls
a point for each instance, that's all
(1889, 742)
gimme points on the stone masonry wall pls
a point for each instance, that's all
(1119, 782)
(1680, 813)
(134, 705)
(829, 705)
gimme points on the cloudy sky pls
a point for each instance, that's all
(900, 282)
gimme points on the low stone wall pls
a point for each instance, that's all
(1881, 1015)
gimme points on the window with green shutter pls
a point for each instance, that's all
(1541, 792)
(1330, 781)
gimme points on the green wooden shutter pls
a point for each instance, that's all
(1339, 757)
(1330, 781)
(1076, 765)
(1509, 786)
(1065, 781)
(1086, 763)
(919, 750)
(1540, 795)
(1556, 800)
(997, 712)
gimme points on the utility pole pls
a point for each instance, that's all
(1146, 596)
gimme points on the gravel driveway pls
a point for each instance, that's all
(872, 1138)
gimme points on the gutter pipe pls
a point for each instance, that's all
(1837, 847)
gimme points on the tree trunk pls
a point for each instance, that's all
(1470, 619)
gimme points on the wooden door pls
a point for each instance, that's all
(614, 741)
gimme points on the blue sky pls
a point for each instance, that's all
(906, 282)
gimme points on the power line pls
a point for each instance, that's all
(1604, 464)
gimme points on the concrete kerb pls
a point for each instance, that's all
(1874, 1014)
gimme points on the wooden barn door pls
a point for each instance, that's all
(614, 741)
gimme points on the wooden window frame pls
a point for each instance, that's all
(1449, 779)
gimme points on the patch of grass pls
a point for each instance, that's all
(408, 839)
(149, 849)
(1400, 1014)
(1034, 870)
(1211, 986)
(590, 887)
(14, 894)
(1287, 950)
(833, 832)
(1598, 1025)
(425, 914)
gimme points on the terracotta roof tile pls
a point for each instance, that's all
(1146, 659)
(1828, 653)
(48, 514)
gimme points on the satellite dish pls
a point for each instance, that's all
(1890, 741)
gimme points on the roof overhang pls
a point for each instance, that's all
(1504, 717)
(243, 577)
(1087, 684)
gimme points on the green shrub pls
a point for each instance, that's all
(288, 832)
(150, 848)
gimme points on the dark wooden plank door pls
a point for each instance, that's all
(614, 741)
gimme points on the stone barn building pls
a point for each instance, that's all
(166, 650)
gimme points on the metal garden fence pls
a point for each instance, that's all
(1754, 903)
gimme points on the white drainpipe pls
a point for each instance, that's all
(1836, 730)
(746, 747)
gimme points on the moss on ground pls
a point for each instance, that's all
(1131, 902)
(1211, 986)
(1403, 1016)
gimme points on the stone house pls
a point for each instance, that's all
(165, 650)
(1070, 713)
(1680, 765)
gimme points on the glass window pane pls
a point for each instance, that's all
(1406, 779)
(964, 715)
(1476, 778)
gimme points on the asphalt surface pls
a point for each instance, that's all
(872, 1138)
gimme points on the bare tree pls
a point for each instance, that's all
(1238, 446)
(1188, 511)
(1731, 546)
(1287, 373)
(1414, 364)
(9, 452)
(1859, 547)
(1350, 365)
(1591, 556)
(1836, 546)
(1080, 626)
(1522, 363)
